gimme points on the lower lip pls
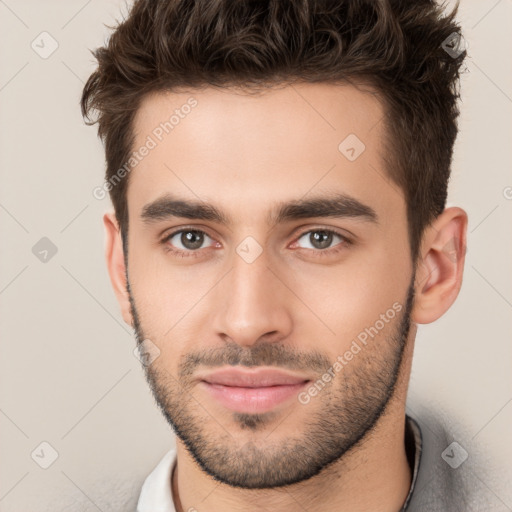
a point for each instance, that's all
(253, 400)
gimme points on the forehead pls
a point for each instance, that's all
(247, 151)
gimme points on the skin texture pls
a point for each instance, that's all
(298, 305)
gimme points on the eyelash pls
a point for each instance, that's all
(195, 253)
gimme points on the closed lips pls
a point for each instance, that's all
(253, 379)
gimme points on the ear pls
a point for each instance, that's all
(440, 265)
(116, 266)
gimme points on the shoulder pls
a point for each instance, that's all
(447, 479)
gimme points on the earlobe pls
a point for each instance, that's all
(115, 264)
(441, 265)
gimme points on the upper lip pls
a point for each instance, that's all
(250, 378)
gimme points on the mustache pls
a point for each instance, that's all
(265, 354)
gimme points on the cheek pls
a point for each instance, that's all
(168, 297)
(350, 298)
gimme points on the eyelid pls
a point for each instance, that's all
(344, 233)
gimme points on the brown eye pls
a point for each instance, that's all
(321, 239)
(192, 239)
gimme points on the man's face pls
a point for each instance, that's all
(325, 299)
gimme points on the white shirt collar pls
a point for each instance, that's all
(156, 493)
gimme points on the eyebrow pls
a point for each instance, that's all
(332, 206)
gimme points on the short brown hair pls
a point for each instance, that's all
(402, 48)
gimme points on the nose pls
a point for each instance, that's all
(252, 303)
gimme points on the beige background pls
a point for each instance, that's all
(68, 375)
